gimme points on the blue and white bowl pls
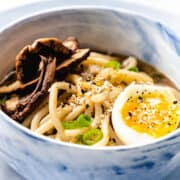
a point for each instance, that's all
(121, 32)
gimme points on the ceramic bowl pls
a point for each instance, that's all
(112, 31)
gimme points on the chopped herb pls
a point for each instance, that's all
(3, 100)
(70, 125)
(113, 64)
(135, 69)
(82, 121)
(92, 136)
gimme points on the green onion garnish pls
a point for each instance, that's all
(70, 125)
(92, 136)
(113, 64)
(3, 100)
(135, 69)
(82, 121)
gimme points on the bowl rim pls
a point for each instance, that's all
(43, 138)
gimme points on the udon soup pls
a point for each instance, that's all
(75, 95)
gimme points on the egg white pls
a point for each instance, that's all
(126, 134)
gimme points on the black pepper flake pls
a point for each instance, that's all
(87, 105)
(175, 102)
(140, 98)
(169, 124)
(69, 86)
(83, 91)
(152, 124)
(130, 114)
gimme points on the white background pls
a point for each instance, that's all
(168, 5)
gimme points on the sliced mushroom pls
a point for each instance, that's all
(70, 63)
(27, 105)
(76, 58)
(16, 86)
(50, 47)
(36, 66)
(28, 59)
(9, 78)
(71, 43)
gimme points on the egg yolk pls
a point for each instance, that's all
(151, 113)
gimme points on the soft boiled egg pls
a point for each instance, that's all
(143, 113)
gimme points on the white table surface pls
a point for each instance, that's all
(170, 13)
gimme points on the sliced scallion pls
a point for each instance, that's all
(135, 69)
(113, 64)
(82, 121)
(92, 136)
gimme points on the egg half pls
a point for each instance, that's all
(143, 113)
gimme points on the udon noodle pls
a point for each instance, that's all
(78, 108)
(92, 91)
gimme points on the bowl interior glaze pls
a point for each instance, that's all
(100, 29)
